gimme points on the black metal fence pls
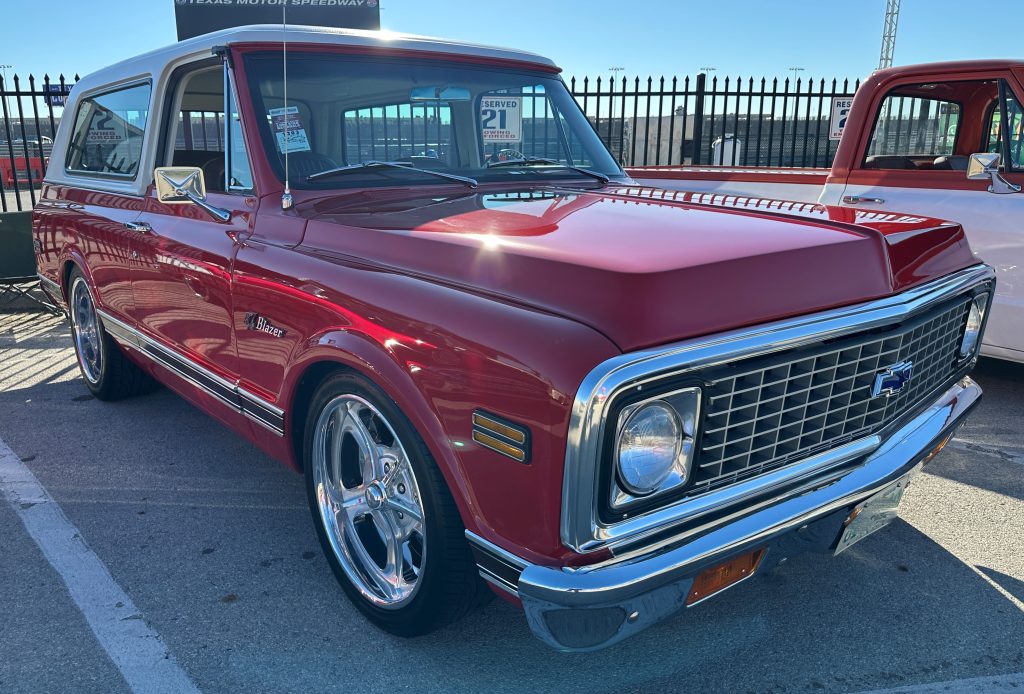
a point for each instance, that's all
(700, 121)
(645, 122)
(31, 111)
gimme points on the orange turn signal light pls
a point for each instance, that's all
(718, 578)
(935, 451)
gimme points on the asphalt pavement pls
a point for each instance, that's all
(211, 546)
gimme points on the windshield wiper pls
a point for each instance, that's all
(371, 165)
(535, 161)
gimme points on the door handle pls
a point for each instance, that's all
(141, 227)
(857, 199)
(196, 286)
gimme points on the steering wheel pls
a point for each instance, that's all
(424, 161)
(509, 155)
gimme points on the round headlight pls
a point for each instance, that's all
(648, 447)
(973, 329)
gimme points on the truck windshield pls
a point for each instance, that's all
(344, 111)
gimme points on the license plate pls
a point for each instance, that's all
(874, 514)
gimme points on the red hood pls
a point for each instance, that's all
(643, 266)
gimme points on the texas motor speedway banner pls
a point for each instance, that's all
(195, 17)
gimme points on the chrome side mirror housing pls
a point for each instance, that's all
(182, 185)
(985, 166)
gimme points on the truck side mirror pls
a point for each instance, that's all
(985, 165)
(177, 185)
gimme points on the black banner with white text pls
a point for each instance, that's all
(195, 17)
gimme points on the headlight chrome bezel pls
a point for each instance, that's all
(971, 340)
(685, 405)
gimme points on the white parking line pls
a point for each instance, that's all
(974, 685)
(136, 650)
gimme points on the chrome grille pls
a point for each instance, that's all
(764, 413)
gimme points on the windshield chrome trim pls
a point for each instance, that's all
(581, 529)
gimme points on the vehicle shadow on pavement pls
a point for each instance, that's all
(215, 545)
(988, 452)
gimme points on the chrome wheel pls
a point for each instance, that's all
(369, 502)
(85, 327)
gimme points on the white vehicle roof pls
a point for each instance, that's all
(157, 66)
(156, 61)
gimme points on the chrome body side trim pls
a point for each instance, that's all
(496, 566)
(581, 530)
(646, 588)
(231, 394)
(52, 289)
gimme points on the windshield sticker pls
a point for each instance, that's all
(288, 131)
(501, 119)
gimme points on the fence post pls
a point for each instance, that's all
(698, 117)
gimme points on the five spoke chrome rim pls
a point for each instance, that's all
(86, 328)
(369, 502)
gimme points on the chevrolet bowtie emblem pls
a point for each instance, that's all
(892, 380)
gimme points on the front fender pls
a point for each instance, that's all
(520, 364)
(355, 351)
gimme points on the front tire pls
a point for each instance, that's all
(107, 372)
(386, 520)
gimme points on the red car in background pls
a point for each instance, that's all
(418, 277)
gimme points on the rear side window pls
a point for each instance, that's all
(400, 132)
(108, 134)
(912, 130)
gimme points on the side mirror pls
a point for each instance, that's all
(985, 166)
(182, 185)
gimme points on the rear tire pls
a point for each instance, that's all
(107, 372)
(386, 520)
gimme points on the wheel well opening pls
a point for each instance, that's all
(65, 275)
(312, 377)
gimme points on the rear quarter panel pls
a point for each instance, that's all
(86, 227)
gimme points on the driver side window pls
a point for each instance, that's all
(1015, 120)
(200, 135)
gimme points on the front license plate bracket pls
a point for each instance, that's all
(873, 514)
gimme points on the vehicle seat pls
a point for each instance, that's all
(210, 161)
(213, 173)
(954, 162)
(302, 164)
(192, 157)
(889, 161)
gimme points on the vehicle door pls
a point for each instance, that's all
(182, 284)
(914, 160)
(99, 210)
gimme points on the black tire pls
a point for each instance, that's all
(111, 375)
(449, 585)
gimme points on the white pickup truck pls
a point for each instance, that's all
(919, 140)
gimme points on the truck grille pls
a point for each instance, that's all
(766, 412)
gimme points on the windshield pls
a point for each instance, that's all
(344, 111)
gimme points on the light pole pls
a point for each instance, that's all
(3, 72)
(614, 73)
(615, 70)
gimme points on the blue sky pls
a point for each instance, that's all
(586, 37)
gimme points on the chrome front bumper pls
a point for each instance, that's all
(588, 608)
